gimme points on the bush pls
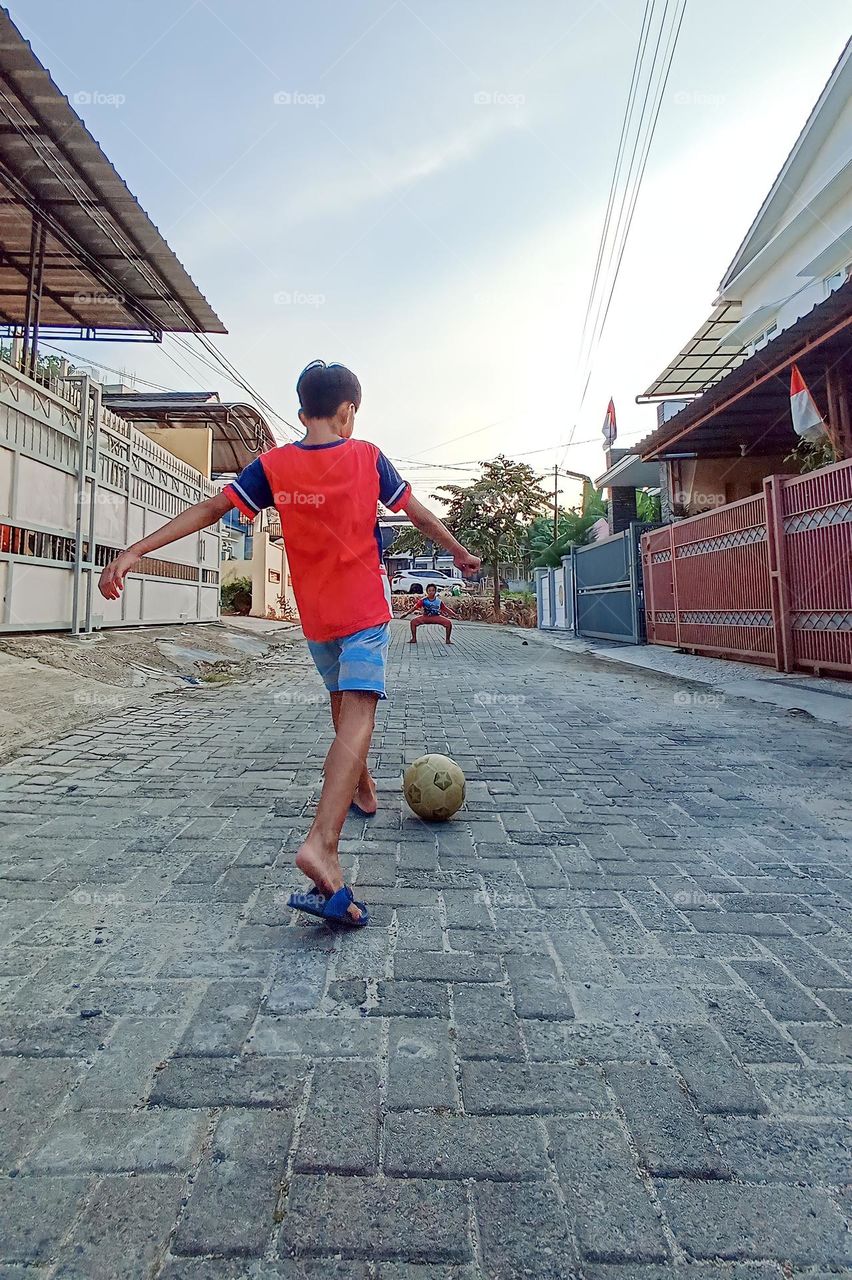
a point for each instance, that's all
(518, 610)
(236, 596)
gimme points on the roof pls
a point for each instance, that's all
(703, 360)
(106, 266)
(748, 411)
(819, 123)
(630, 472)
(240, 432)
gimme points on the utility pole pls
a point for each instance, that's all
(555, 502)
(568, 475)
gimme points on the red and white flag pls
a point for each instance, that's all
(609, 429)
(807, 420)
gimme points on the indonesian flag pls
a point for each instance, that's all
(609, 429)
(807, 419)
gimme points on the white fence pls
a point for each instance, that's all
(65, 509)
(554, 590)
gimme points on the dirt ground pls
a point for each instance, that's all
(50, 682)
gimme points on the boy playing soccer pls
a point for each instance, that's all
(432, 610)
(326, 488)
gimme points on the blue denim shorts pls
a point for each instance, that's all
(355, 662)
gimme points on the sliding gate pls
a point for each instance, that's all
(608, 587)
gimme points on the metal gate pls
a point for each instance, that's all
(608, 588)
(71, 497)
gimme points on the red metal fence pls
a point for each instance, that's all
(767, 579)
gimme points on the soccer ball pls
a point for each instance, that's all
(434, 787)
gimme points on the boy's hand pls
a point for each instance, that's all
(468, 564)
(111, 581)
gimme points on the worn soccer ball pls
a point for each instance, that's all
(434, 787)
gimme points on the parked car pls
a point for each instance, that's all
(415, 581)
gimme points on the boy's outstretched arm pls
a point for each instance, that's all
(436, 531)
(198, 516)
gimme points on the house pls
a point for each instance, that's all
(723, 402)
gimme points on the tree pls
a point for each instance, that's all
(492, 514)
(408, 542)
(574, 527)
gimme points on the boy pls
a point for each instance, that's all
(432, 610)
(326, 488)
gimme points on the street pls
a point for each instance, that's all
(600, 1019)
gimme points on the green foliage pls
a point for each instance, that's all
(408, 542)
(648, 508)
(810, 455)
(48, 366)
(236, 596)
(574, 528)
(492, 514)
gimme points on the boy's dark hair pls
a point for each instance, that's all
(322, 388)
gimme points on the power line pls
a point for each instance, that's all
(56, 165)
(618, 217)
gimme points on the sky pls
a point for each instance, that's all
(416, 188)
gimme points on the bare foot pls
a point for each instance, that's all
(321, 865)
(365, 796)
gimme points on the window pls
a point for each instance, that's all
(837, 278)
(761, 339)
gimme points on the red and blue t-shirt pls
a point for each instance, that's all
(327, 497)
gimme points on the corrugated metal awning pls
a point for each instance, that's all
(702, 361)
(104, 265)
(240, 432)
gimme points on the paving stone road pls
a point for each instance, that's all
(600, 1026)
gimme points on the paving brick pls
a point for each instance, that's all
(120, 1142)
(752, 1036)
(670, 1138)
(735, 1222)
(568, 850)
(322, 1037)
(759, 926)
(340, 1130)
(222, 1020)
(420, 1065)
(807, 1091)
(35, 1214)
(825, 1044)
(514, 1088)
(231, 1210)
(123, 1229)
(233, 1197)
(447, 966)
(442, 1146)
(769, 1150)
(637, 1004)
(538, 989)
(33, 1092)
(716, 1081)
(613, 1216)
(839, 1002)
(784, 998)
(486, 1026)
(524, 1232)
(409, 1218)
(423, 1271)
(592, 1042)
(225, 1082)
(59, 1037)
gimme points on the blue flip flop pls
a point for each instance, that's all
(334, 910)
